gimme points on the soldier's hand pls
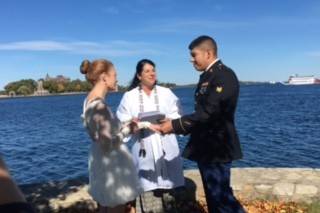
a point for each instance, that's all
(166, 126)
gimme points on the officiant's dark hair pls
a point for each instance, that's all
(139, 68)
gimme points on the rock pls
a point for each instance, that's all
(306, 190)
(293, 176)
(263, 188)
(314, 177)
(272, 176)
(283, 189)
(62, 197)
(248, 192)
(237, 187)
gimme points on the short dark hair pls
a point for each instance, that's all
(204, 39)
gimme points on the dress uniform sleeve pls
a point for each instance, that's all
(218, 91)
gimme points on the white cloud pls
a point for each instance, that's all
(35, 46)
(111, 48)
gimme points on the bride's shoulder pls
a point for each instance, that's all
(96, 104)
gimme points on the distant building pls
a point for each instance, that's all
(62, 79)
(58, 78)
(40, 90)
(47, 78)
(12, 94)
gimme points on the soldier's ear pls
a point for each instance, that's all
(209, 54)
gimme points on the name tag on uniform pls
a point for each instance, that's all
(203, 88)
(205, 84)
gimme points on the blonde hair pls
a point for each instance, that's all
(92, 70)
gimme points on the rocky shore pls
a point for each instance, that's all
(282, 184)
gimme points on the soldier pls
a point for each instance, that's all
(213, 142)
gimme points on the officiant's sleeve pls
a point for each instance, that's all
(124, 114)
(123, 111)
(173, 107)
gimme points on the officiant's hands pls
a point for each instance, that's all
(134, 126)
(155, 128)
(166, 126)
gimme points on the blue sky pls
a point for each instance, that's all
(260, 40)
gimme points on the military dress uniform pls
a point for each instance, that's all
(214, 142)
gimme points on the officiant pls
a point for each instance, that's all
(157, 157)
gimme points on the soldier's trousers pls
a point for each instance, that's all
(216, 183)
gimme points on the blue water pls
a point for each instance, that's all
(42, 138)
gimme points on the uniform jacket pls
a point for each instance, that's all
(213, 136)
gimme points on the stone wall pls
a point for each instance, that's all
(288, 184)
(248, 183)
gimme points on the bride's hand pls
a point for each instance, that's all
(134, 126)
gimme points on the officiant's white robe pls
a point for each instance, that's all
(161, 168)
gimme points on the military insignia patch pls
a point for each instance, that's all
(219, 89)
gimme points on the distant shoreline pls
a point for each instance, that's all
(46, 95)
(81, 93)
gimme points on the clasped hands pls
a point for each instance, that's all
(164, 126)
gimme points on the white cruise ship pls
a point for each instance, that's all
(302, 80)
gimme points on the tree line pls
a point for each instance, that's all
(29, 86)
(22, 87)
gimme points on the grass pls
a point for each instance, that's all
(266, 206)
(313, 207)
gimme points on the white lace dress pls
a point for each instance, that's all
(113, 178)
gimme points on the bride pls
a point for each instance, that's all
(113, 179)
